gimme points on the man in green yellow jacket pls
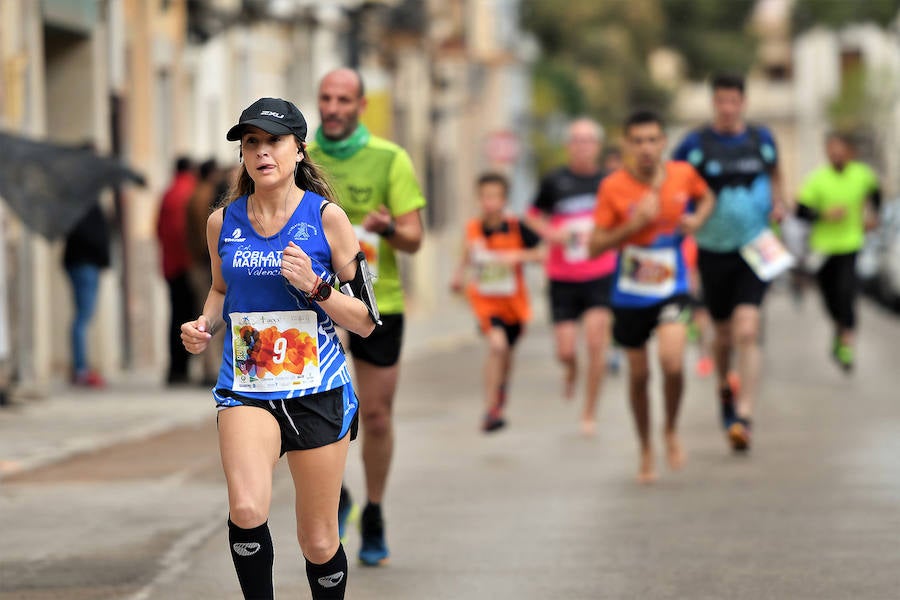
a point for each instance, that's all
(376, 185)
(841, 200)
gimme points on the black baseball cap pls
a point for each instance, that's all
(272, 115)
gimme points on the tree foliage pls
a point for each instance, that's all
(837, 13)
(595, 53)
(712, 35)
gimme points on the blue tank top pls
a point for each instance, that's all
(278, 344)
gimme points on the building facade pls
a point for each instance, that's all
(149, 80)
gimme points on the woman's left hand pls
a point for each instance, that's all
(296, 267)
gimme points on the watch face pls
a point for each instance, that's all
(325, 292)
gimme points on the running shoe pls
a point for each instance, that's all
(493, 421)
(90, 379)
(844, 357)
(348, 513)
(374, 550)
(739, 434)
(705, 366)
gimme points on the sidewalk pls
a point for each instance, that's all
(72, 421)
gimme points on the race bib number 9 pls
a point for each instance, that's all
(369, 243)
(648, 271)
(767, 256)
(276, 351)
(579, 234)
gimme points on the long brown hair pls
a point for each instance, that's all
(309, 176)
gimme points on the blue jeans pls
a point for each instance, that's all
(85, 280)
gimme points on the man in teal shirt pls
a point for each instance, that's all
(376, 185)
(841, 201)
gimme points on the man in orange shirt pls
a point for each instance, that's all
(645, 209)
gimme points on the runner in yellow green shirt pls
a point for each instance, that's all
(841, 200)
(376, 185)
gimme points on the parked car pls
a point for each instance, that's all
(887, 277)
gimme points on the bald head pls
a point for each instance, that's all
(585, 128)
(584, 143)
(345, 77)
(342, 101)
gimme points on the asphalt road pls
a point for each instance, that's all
(534, 511)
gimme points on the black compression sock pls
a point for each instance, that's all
(253, 555)
(328, 581)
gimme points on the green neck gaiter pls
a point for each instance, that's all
(346, 147)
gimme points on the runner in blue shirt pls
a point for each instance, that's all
(739, 161)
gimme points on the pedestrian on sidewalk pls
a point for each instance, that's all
(497, 245)
(376, 185)
(277, 248)
(645, 210)
(201, 204)
(739, 161)
(172, 233)
(841, 200)
(86, 254)
(579, 285)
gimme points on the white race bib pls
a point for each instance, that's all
(275, 351)
(369, 243)
(578, 236)
(767, 256)
(493, 278)
(648, 271)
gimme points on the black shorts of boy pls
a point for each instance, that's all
(513, 331)
(570, 299)
(632, 327)
(728, 281)
(382, 347)
(308, 422)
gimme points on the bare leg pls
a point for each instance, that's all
(496, 368)
(745, 326)
(638, 379)
(317, 475)
(376, 386)
(672, 338)
(722, 348)
(597, 333)
(566, 333)
(249, 443)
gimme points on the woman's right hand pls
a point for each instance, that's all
(195, 335)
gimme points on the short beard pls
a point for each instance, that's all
(345, 133)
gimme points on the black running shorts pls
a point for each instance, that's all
(570, 299)
(728, 281)
(632, 327)
(313, 421)
(513, 331)
(382, 347)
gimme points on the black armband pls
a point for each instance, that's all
(361, 287)
(875, 199)
(807, 214)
